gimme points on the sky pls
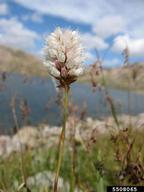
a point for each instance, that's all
(108, 26)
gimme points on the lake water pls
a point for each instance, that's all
(41, 93)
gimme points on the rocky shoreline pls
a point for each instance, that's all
(34, 137)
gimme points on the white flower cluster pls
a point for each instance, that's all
(64, 54)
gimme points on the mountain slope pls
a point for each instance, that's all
(18, 61)
(128, 76)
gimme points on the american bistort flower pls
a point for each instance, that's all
(64, 55)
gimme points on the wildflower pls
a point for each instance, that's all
(63, 56)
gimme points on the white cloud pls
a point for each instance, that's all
(93, 12)
(111, 62)
(14, 33)
(106, 18)
(35, 17)
(4, 10)
(109, 25)
(135, 45)
(70, 10)
(92, 41)
(91, 58)
(108, 63)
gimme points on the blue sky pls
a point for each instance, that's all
(108, 26)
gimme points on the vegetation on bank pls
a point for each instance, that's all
(113, 159)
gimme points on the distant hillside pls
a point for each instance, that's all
(14, 60)
(18, 61)
(123, 77)
(132, 75)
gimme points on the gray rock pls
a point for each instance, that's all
(5, 146)
(45, 179)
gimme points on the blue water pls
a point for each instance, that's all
(41, 93)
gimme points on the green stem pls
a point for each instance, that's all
(73, 165)
(61, 139)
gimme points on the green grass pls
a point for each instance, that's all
(95, 168)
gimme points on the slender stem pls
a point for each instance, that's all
(61, 139)
(73, 167)
(23, 173)
(129, 100)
